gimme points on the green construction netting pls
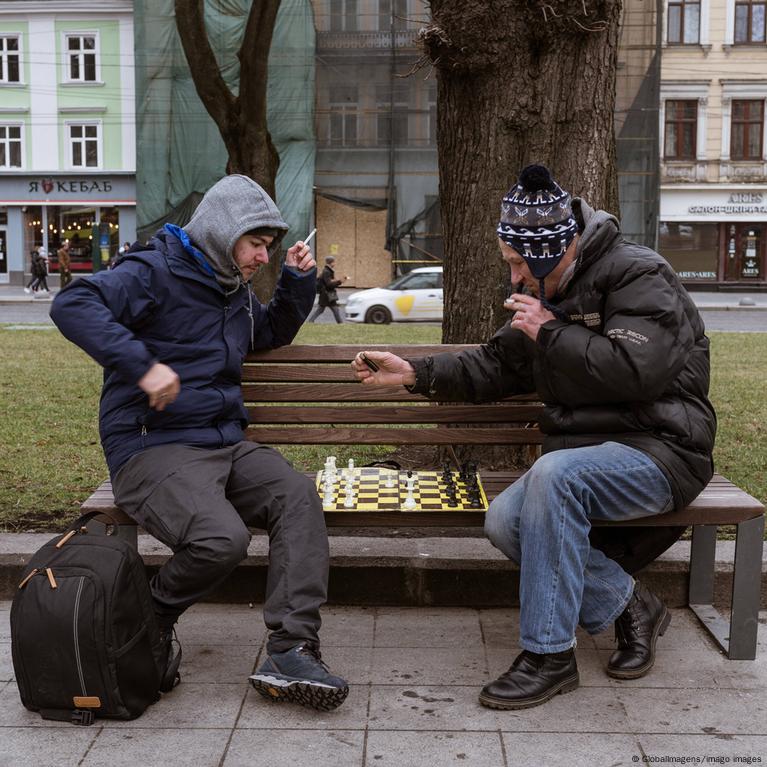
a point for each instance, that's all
(179, 150)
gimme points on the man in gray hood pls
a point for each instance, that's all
(171, 324)
(606, 336)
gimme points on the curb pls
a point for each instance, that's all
(449, 572)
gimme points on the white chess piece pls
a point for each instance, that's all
(349, 500)
(409, 502)
(389, 479)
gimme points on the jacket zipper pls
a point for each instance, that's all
(76, 634)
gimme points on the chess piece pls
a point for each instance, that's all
(389, 482)
(349, 499)
(409, 502)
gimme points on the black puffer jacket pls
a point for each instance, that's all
(630, 366)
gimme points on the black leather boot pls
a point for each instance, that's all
(532, 679)
(636, 631)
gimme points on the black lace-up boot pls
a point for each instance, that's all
(636, 632)
(532, 679)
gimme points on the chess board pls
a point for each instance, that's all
(371, 493)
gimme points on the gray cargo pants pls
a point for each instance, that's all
(201, 502)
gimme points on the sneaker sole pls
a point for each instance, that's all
(565, 686)
(319, 696)
(660, 630)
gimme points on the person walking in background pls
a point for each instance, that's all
(326, 289)
(38, 285)
(65, 264)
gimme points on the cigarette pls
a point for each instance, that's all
(309, 237)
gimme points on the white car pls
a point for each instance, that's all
(414, 296)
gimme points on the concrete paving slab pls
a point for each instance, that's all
(500, 628)
(20, 747)
(6, 663)
(692, 711)
(587, 709)
(426, 627)
(217, 663)
(222, 624)
(531, 749)
(352, 663)
(260, 714)
(330, 748)
(169, 748)
(347, 626)
(430, 708)
(749, 749)
(429, 666)
(190, 706)
(418, 749)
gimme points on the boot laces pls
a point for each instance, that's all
(312, 650)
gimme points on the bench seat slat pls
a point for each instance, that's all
(460, 414)
(391, 436)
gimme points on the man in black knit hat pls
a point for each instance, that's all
(605, 334)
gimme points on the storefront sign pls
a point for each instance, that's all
(86, 188)
(712, 204)
(70, 187)
(697, 275)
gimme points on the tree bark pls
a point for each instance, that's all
(518, 82)
(241, 119)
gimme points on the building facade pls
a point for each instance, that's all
(67, 132)
(713, 211)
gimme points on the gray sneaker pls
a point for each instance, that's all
(298, 675)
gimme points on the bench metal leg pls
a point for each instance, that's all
(746, 589)
(738, 637)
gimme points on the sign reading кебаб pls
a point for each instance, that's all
(98, 187)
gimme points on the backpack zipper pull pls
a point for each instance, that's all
(66, 538)
(51, 579)
(29, 577)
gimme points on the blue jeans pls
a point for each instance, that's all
(542, 522)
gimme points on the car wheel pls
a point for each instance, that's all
(378, 315)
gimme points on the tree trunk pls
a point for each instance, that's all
(518, 82)
(241, 119)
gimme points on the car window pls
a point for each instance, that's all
(420, 281)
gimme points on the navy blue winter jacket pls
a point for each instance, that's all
(161, 305)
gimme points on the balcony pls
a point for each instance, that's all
(361, 41)
(693, 171)
(743, 172)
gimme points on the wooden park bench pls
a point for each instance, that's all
(307, 395)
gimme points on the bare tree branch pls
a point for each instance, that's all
(210, 85)
(257, 37)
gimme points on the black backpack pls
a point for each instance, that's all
(84, 635)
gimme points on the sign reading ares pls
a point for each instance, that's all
(47, 185)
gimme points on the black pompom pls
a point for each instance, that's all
(535, 177)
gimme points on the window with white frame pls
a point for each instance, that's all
(81, 58)
(392, 11)
(683, 22)
(84, 145)
(342, 100)
(10, 146)
(9, 59)
(343, 15)
(392, 105)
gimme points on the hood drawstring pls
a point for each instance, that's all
(555, 310)
(250, 314)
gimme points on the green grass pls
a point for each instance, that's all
(52, 459)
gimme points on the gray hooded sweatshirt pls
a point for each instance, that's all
(231, 207)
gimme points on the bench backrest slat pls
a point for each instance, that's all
(347, 352)
(279, 435)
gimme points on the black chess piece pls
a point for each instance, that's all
(452, 501)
